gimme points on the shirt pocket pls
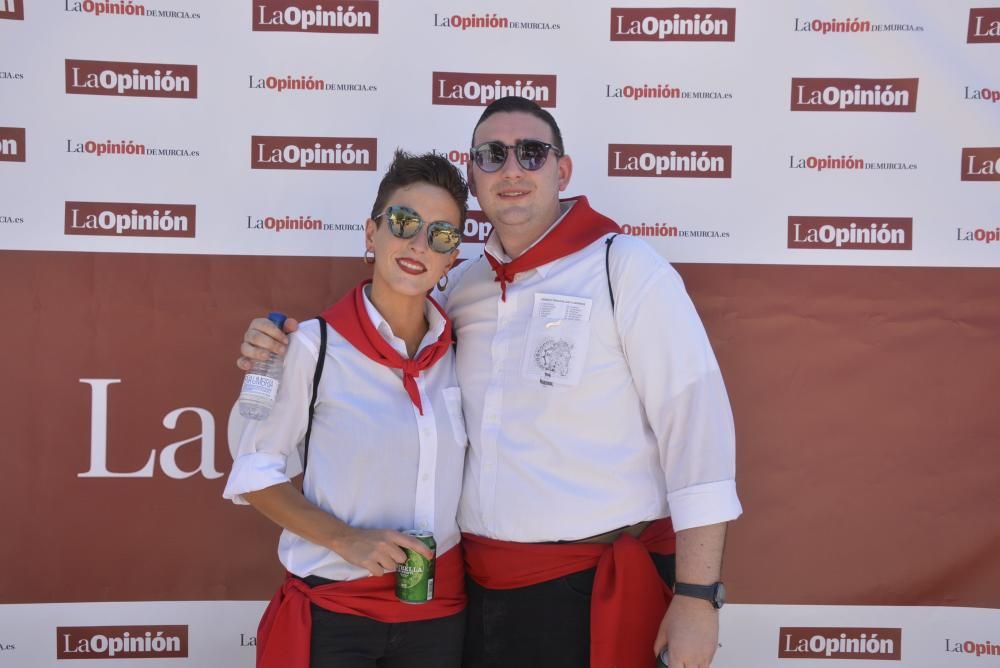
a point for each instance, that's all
(557, 340)
(453, 405)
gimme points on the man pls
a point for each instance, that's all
(597, 417)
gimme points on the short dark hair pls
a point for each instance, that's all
(432, 168)
(515, 103)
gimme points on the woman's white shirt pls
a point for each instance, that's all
(374, 461)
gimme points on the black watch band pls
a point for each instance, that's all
(714, 593)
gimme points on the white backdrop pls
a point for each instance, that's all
(386, 82)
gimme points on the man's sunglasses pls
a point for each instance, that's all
(530, 153)
(405, 223)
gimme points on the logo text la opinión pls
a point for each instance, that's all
(846, 94)
(850, 233)
(670, 160)
(322, 16)
(12, 10)
(673, 24)
(130, 219)
(127, 79)
(984, 25)
(121, 642)
(12, 145)
(308, 153)
(479, 89)
(981, 164)
(840, 643)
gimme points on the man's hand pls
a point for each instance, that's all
(690, 630)
(261, 339)
(378, 550)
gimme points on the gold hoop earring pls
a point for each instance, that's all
(368, 253)
(442, 287)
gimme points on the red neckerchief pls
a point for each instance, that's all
(350, 318)
(286, 627)
(629, 598)
(578, 229)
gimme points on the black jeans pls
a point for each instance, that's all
(545, 625)
(349, 641)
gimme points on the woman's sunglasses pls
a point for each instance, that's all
(405, 223)
(530, 153)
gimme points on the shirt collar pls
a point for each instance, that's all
(435, 325)
(494, 248)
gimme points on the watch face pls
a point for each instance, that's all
(720, 595)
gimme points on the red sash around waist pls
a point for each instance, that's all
(285, 629)
(629, 598)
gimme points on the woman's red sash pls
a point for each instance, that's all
(285, 629)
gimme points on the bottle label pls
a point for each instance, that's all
(259, 389)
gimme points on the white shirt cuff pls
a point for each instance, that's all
(701, 505)
(252, 472)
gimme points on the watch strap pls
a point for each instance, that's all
(708, 592)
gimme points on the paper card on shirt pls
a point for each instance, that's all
(558, 335)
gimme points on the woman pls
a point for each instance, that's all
(385, 451)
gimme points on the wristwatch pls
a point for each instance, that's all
(713, 593)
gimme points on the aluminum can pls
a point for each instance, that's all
(415, 576)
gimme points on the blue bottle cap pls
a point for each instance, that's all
(278, 318)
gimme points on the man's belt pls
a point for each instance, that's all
(611, 536)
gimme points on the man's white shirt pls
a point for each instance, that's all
(583, 419)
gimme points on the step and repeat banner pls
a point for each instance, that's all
(824, 175)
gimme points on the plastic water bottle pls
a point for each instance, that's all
(260, 385)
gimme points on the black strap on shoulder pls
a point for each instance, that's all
(607, 267)
(312, 404)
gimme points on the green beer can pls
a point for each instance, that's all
(415, 576)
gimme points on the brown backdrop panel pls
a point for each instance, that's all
(868, 456)
(168, 326)
(868, 459)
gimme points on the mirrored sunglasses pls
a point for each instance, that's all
(405, 223)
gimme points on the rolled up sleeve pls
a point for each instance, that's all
(683, 395)
(266, 452)
(254, 471)
(701, 505)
